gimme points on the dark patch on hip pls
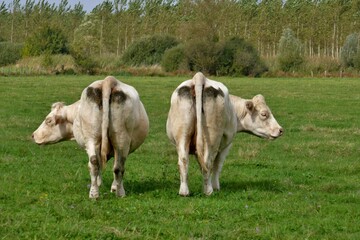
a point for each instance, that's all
(118, 97)
(211, 92)
(94, 95)
(186, 92)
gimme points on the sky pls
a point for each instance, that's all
(88, 4)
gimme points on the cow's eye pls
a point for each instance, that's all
(264, 114)
(49, 121)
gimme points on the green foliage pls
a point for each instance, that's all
(235, 57)
(84, 62)
(350, 53)
(47, 60)
(85, 47)
(290, 55)
(304, 184)
(239, 58)
(174, 59)
(47, 40)
(9, 53)
(148, 51)
(202, 55)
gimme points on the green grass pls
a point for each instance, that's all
(305, 185)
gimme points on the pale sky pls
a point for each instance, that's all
(87, 4)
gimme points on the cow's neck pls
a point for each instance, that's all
(240, 111)
(71, 111)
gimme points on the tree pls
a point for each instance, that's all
(350, 54)
(46, 41)
(290, 51)
(148, 51)
(102, 14)
(239, 58)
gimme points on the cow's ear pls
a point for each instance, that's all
(259, 99)
(249, 106)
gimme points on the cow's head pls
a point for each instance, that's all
(55, 127)
(258, 119)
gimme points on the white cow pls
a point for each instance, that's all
(109, 119)
(203, 120)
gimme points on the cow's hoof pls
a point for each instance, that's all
(121, 194)
(184, 193)
(184, 190)
(208, 191)
(94, 193)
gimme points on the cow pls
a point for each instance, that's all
(203, 120)
(108, 120)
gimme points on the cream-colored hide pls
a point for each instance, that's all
(109, 119)
(203, 120)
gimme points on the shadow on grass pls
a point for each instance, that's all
(149, 185)
(263, 185)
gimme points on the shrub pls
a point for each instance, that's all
(350, 53)
(9, 53)
(148, 51)
(202, 55)
(84, 62)
(239, 58)
(46, 41)
(290, 51)
(174, 59)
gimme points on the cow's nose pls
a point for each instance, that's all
(281, 131)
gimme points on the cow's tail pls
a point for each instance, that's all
(108, 84)
(199, 81)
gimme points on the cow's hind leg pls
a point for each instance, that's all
(94, 168)
(119, 169)
(218, 163)
(183, 163)
(207, 186)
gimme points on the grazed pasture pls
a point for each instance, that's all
(305, 185)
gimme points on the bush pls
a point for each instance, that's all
(350, 53)
(234, 57)
(174, 59)
(46, 41)
(239, 58)
(290, 51)
(84, 62)
(148, 51)
(202, 55)
(9, 53)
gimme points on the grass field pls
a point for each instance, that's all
(305, 185)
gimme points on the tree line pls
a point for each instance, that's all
(112, 26)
